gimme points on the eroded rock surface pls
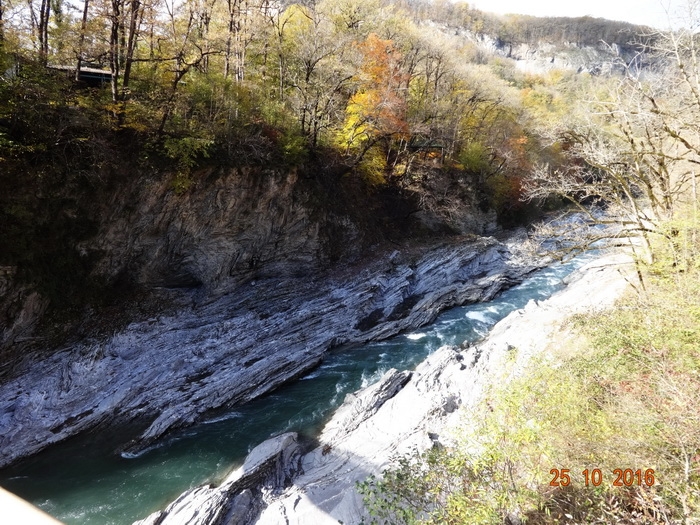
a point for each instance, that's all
(410, 410)
(268, 468)
(166, 372)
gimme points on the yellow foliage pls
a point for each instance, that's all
(296, 20)
(357, 128)
(373, 166)
(377, 109)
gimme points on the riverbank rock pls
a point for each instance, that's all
(403, 413)
(166, 372)
(268, 468)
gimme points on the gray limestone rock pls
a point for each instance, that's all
(267, 470)
(166, 372)
(403, 413)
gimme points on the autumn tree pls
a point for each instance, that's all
(311, 57)
(377, 110)
(356, 18)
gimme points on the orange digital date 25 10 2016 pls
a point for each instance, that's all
(623, 477)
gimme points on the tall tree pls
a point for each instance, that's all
(621, 158)
(2, 23)
(238, 37)
(638, 149)
(40, 26)
(377, 111)
(278, 20)
(134, 28)
(114, 38)
(185, 51)
(81, 38)
(314, 70)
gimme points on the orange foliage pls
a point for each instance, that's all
(378, 109)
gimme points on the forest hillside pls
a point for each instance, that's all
(124, 124)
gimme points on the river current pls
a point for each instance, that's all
(80, 483)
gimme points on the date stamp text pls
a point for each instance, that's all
(619, 477)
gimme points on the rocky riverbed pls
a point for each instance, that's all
(165, 372)
(285, 480)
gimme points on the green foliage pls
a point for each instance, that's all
(33, 108)
(294, 148)
(475, 158)
(401, 495)
(185, 153)
(431, 488)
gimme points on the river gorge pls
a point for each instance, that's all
(81, 482)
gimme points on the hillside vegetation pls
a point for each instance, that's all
(387, 115)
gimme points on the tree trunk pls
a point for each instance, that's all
(43, 30)
(233, 10)
(235, 39)
(205, 22)
(241, 43)
(114, 49)
(81, 41)
(2, 29)
(134, 28)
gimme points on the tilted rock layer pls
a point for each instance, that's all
(402, 412)
(166, 372)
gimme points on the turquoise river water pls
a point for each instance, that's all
(81, 483)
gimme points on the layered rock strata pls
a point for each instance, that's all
(165, 372)
(404, 411)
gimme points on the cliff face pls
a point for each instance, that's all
(245, 224)
(233, 226)
(145, 237)
(248, 278)
(539, 56)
